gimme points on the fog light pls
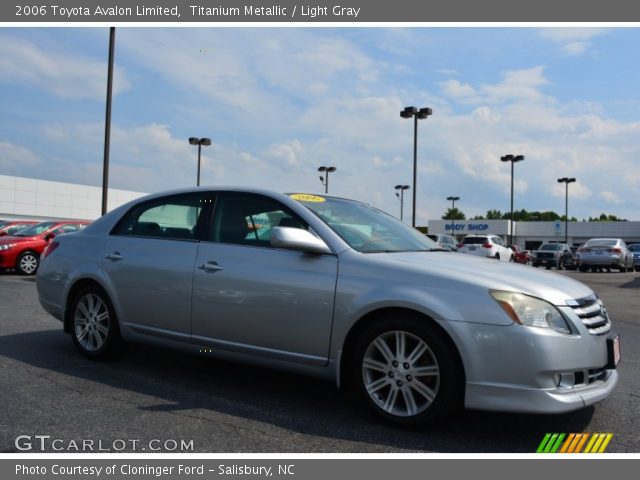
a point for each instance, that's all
(564, 380)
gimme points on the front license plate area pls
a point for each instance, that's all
(613, 350)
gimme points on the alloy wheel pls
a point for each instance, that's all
(91, 322)
(28, 264)
(401, 374)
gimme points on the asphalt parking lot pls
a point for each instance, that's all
(48, 388)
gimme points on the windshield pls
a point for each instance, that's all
(474, 240)
(364, 228)
(35, 230)
(604, 242)
(551, 246)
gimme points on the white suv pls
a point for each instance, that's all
(486, 246)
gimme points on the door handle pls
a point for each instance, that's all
(114, 256)
(210, 266)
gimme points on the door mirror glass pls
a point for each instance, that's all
(297, 239)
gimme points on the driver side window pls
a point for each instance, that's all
(249, 219)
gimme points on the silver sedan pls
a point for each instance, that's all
(599, 253)
(333, 288)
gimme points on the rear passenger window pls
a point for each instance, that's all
(177, 217)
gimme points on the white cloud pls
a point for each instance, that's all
(571, 34)
(611, 197)
(454, 88)
(575, 48)
(13, 157)
(62, 73)
(572, 41)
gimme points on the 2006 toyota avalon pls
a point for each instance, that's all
(336, 288)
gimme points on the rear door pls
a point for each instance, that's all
(149, 260)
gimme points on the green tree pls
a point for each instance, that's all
(607, 218)
(454, 214)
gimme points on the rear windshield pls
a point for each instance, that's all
(601, 243)
(474, 240)
(635, 247)
(551, 246)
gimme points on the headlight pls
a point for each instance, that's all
(7, 246)
(530, 311)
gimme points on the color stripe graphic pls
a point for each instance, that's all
(574, 443)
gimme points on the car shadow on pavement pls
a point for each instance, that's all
(157, 380)
(635, 283)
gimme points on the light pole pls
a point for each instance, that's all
(107, 121)
(566, 182)
(453, 207)
(199, 142)
(325, 179)
(400, 195)
(513, 159)
(417, 114)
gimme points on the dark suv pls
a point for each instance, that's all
(552, 255)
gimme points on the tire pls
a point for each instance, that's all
(582, 268)
(408, 389)
(559, 265)
(535, 264)
(28, 263)
(94, 325)
(497, 257)
(623, 269)
(512, 259)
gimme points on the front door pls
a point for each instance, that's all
(252, 298)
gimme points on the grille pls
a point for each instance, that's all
(545, 255)
(592, 313)
(587, 377)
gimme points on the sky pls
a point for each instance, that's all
(278, 102)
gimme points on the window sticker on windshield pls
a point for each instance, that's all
(305, 197)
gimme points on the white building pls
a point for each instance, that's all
(28, 198)
(530, 235)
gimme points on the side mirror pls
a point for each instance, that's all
(3, 233)
(297, 239)
(49, 236)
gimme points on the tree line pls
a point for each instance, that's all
(526, 216)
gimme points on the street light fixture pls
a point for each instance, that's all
(513, 159)
(199, 142)
(453, 218)
(400, 195)
(566, 181)
(325, 179)
(417, 114)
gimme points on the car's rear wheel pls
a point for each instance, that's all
(406, 371)
(497, 257)
(94, 326)
(27, 263)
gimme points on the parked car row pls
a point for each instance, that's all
(24, 242)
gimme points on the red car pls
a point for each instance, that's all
(23, 249)
(520, 256)
(9, 227)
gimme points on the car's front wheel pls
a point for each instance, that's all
(94, 326)
(406, 371)
(27, 263)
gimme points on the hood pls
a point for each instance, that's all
(488, 274)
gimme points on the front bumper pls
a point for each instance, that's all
(528, 400)
(515, 368)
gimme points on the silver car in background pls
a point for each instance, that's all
(334, 288)
(635, 249)
(445, 241)
(599, 253)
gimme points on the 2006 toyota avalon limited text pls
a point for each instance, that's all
(336, 288)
